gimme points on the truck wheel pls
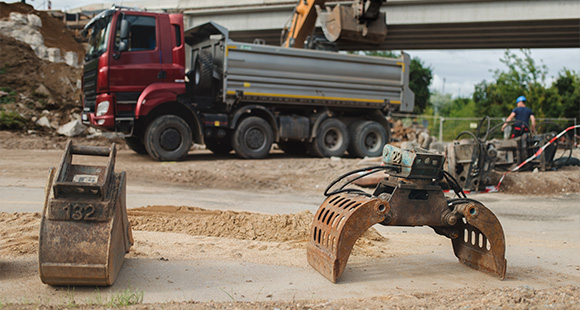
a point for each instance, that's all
(203, 73)
(253, 138)
(135, 144)
(332, 139)
(367, 139)
(220, 147)
(168, 138)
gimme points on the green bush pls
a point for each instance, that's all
(11, 120)
(10, 97)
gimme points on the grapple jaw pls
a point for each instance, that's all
(410, 196)
(480, 243)
(339, 222)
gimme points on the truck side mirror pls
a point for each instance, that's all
(124, 36)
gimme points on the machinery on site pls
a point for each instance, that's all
(362, 22)
(474, 160)
(84, 230)
(229, 96)
(410, 195)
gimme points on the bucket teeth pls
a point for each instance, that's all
(481, 241)
(338, 223)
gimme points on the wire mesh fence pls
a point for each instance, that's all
(450, 128)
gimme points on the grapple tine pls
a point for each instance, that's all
(338, 223)
(481, 241)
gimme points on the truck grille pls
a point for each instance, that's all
(90, 84)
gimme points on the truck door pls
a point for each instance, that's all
(132, 70)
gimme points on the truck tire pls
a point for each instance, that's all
(332, 139)
(367, 139)
(253, 138)
(135, 144)
(168, 138)
(203, 74)
(219, 146)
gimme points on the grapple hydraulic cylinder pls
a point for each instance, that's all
(84, 230)
(410, 196)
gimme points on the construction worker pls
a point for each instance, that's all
(523, 115)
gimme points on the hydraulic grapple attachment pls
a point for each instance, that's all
(339, 222)
(410, 196)
(481, 243)
(84, 230)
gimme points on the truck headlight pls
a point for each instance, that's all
(102, 108)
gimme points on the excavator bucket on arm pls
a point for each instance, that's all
(409, 196)
(84, 230)
(340, 24)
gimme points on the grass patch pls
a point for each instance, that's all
(124, 298)
(11, 120)
(8, 97)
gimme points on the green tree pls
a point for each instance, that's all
(420, 77)
(567, 87)
(522, 77)
(419, 81)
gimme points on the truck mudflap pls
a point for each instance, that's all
(481, 241)
(339, 222)
(410, 196)
(84, 230)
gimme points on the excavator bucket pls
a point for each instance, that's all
(481, 241)
(338, 223)
(340, 25)
(84, 230)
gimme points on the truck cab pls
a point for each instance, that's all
(134, 58)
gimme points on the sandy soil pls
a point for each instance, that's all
(262, 256)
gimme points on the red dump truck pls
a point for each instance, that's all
(164, 88)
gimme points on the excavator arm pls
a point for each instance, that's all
(362, 22)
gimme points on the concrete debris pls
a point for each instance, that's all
(72, 128)
(26, 28)
(44, 122)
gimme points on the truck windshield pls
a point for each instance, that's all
(98, 38)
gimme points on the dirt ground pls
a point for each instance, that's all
(187, 237)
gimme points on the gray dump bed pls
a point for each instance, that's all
(270, 74)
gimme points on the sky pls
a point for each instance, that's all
(457, 71)
(454, 71)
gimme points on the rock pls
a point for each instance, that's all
(438, 147)
(18, 18)
(43, 91)
(43, 121)
(71, 59)
(54, 54)
(409, 145)
(71, 129)
(34, 21)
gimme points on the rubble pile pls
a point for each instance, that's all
(37, 95)
(47, 36)
(411, 137)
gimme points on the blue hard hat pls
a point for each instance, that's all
(521, 98)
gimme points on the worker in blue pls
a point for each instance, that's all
(523, 115)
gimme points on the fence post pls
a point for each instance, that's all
(441, 118)
(575, 139)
